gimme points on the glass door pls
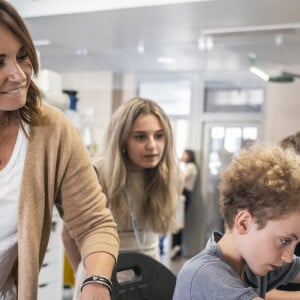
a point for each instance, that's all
(221, 142)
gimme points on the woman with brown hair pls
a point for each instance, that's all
(43, 162)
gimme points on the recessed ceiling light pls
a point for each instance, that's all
(82, 51)
(166, 60)
(140, 48)
(278, 40)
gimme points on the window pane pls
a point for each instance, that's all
(180, 132)
(173, 97)
(233, 100)
(232, 139)
(249, 136)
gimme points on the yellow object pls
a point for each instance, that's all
(69, 278)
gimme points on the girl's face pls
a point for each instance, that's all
(266, 249)
(15, 71)
(146, 142)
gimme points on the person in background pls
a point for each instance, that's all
(190, 172)
(139, 175)
(285, 291)
(43, 162)
(260, 204)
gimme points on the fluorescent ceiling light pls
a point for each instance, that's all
(258, 72)
(41, 43)
(231, 30)
(166, 60)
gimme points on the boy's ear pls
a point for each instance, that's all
(243, 221)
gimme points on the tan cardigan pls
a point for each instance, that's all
(58, 171)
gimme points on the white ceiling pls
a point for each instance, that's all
(111, 36)
(38, 8)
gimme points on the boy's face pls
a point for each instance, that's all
(266, 249)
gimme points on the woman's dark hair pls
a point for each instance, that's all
(191, 155)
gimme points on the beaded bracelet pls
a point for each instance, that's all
(98, 279)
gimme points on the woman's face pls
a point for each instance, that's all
(185, 157)
(146, 142)
(15, 71)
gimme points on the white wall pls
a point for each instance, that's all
(282, 111)
(129, 86)
(95, 93)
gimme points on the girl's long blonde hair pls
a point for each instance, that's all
(161, 182)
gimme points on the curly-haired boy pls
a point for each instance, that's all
(260, 204)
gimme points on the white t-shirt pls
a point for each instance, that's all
(10, 186)
(190, 174)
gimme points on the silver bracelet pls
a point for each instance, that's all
(98, 279)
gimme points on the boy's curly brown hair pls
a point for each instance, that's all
(265, 180)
